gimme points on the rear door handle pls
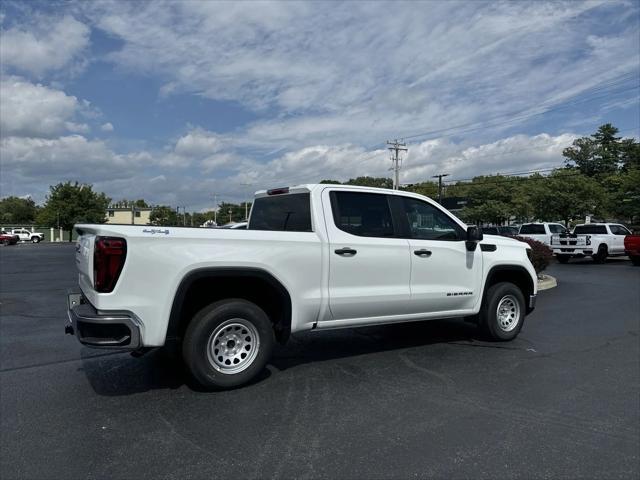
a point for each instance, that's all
(346, 251)
(422, 253)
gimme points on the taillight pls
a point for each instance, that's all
(108, 259)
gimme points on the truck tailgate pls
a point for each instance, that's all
(84, 257)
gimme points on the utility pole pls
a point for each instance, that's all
(215, 209)
(439, 177)
(395, 149)
(246, 204)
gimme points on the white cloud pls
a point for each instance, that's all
(66, 156)
(106, 127)
(45, 44)
(352, 73)
(519, 153)
(198, 143)
(28, 109)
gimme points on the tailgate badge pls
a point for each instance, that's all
(154, 231)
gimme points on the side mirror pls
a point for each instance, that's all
(474, 235)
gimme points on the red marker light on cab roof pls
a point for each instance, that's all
(278, 191)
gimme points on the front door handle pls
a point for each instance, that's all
(346, 251)
(422, 253)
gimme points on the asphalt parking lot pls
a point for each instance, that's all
(406, 401)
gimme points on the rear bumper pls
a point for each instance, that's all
(119, 330)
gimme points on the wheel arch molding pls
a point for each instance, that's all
(203, 286)
(516, 274)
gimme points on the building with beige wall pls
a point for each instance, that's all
(129, 215)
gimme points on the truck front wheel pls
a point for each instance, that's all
(227, 344)
(503, 310)
(35, 239)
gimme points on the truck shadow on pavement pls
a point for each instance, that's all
(120, 374)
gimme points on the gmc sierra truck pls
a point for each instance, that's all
(600, 240)
(314, 257)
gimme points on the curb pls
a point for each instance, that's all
(547, 282)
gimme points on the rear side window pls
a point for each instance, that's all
(590, 230)
(362, 214)
(532, 228)
(490, 230)
(285, 213)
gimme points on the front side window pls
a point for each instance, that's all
(362, 214)
(619, 230)
(532, 229)
(556, 228)
(427, 222)
(590, 230)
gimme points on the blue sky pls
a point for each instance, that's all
(176, 101)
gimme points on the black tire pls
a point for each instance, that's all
(246, 334)
(513, 305)
(635, 259)
(563, 258)
(601, 256)
(35, 239)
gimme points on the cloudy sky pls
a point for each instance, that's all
(176, 101)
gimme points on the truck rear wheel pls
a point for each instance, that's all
(601, 256)
(635, 259)
(227, 344)
(503, 310)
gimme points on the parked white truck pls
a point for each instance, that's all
(25, 235)
(314, 257)
(600, 240)
(542, 232)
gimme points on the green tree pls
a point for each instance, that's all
(566, 195)
(603, 153)
(140, 203)
(70, 203)
(232, 212)
(164, 216)
(428, 189)
(630, 154)
(379, 182)
(17, 210)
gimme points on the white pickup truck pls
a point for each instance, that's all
(600, 240)
(25, 235)
(314, 257)
(542, 232)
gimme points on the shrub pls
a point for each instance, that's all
(540, 254)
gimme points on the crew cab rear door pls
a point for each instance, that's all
(369, 265)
